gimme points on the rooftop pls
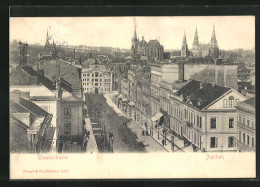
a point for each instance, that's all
(250, 101)
(35, 90)
(201, 95)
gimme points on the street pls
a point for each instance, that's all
(124, 139)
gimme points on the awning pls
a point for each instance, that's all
(120, 96)
(125, 99)
(131, 103)
(157, 116)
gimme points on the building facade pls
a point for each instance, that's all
(96, 79)
(246, 125)
(205, 50)
(204, 115)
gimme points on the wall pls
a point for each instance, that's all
(75, 118)
(223, 75)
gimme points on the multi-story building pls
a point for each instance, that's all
(124, 88)
(96, 79)
(246, 125)
(116, 69)
(55, 98)
(163, 76)
(71, 123)
(205, 115)
(143, 107)
(30, 125)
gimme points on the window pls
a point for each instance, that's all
(253, 142)
(213, 142)
(248, 123)
(67, 111)
(87, 75)
(231, 101)
(244, 138)
(244, 121)
(225, 103)
(96, 74)
(200, 121)
(213, 123)
(96, 84)
(231, 122)
(239, 118)
(67, 128)
(231, 141)
(247, 139)
(239, 136)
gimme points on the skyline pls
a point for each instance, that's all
(232, 32)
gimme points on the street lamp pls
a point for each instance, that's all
(158, 129)
(111, 138)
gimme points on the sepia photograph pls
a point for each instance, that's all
(98, 87)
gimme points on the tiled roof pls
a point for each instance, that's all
(47, 82)
(207, 94)
(18, 137)
(201, 97)
(154, 43)
(33, 107)
(188, 89)
(250, 101)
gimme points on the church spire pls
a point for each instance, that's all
(184, 39)
(184, 48)
(135, 35)
(213, 37)
(196, 39)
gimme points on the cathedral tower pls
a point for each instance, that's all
(196, 40)
(184, 48)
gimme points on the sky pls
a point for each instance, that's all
(232, 32)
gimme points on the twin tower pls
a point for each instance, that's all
(201, 50)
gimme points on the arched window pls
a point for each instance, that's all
(231, 101)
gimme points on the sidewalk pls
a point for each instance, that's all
(92, 144)
(178, 143)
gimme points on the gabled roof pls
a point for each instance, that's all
(199, 95)
(207, 94)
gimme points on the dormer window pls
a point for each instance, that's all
(231, 101)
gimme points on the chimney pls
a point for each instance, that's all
(181, 71)
(201, 85)
(25, 95)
